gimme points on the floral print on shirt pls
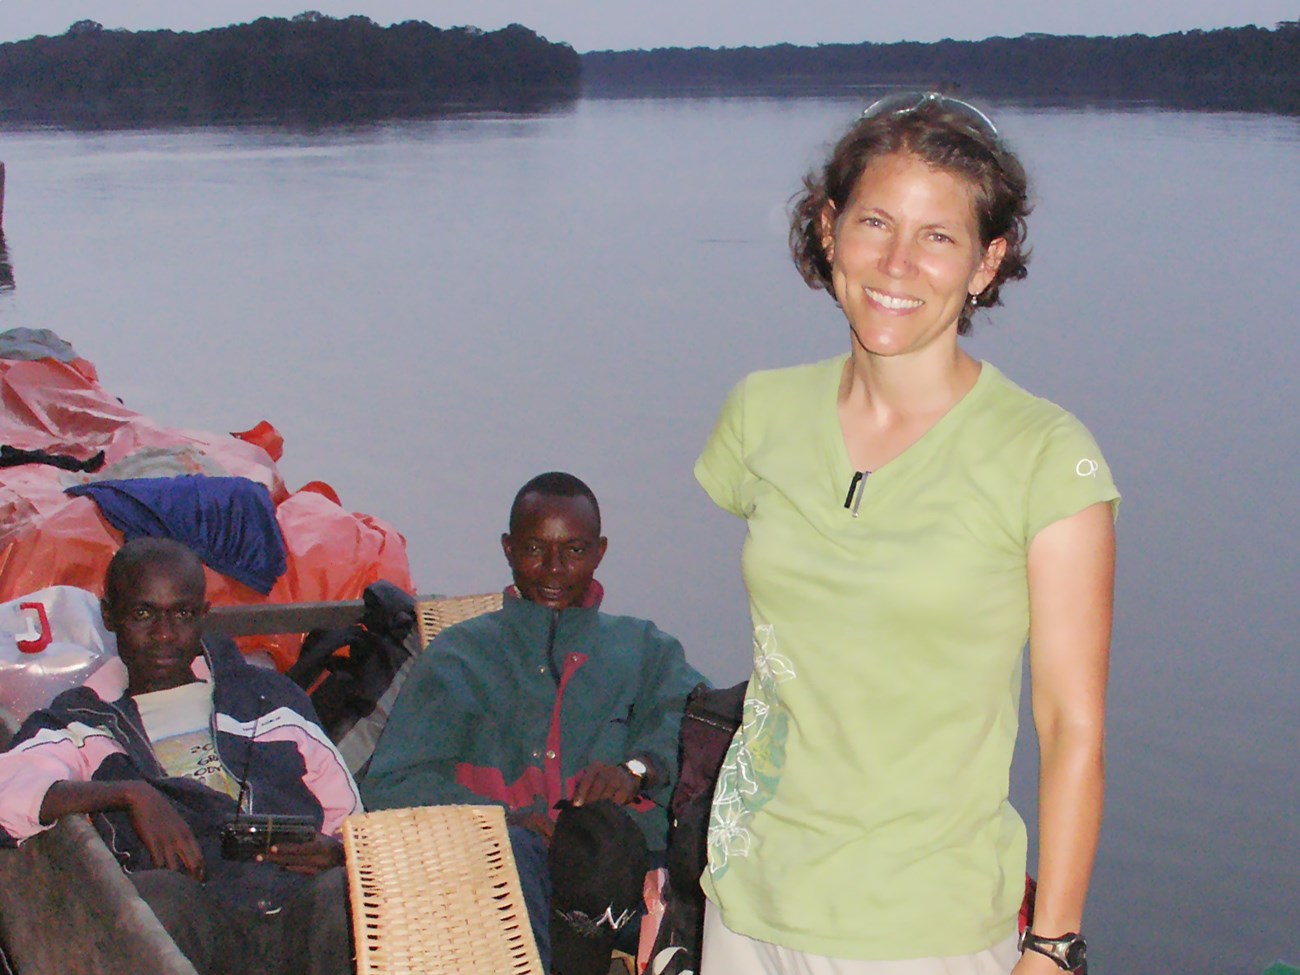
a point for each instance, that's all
(753, 764)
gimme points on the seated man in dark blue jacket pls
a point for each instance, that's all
(161, 748)
(548, 699)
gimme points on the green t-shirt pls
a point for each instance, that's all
(862, 809)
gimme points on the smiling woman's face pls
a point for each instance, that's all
(906, 255)
(554, 550)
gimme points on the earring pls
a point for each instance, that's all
(973, 300)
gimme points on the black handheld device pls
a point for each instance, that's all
(247, 835)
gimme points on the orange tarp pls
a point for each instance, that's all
(48, 538)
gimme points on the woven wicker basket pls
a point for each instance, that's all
(435, 892)
(432, 616)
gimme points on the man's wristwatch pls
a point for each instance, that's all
(637, 768)
(1069, 951)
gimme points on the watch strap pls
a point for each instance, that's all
(1068, 951)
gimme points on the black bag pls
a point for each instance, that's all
(345, 690)
(708, 725)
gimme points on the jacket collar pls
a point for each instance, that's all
(110, 679)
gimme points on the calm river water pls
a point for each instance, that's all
(432, 312)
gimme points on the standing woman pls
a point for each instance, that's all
(913, 518)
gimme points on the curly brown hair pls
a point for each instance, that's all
(943, 138)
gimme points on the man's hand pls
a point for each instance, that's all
(167, 837)
(319, 855)
(531, 819)
(600, 781)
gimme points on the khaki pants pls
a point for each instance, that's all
(728, 953)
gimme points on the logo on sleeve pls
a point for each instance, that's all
(1086, 467)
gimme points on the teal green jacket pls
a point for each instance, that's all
(509, 707)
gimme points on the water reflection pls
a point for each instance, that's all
(325, 117)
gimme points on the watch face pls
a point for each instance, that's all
(636, 767)
(1076, 955)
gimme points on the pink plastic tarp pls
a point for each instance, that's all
(48, 538)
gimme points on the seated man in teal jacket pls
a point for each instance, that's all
(547, 700)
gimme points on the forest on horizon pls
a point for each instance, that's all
(323, 69)
(309, 68)
(1246, 68)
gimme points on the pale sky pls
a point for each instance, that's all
(622, 24)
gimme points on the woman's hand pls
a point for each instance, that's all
(319, 855)
(1033, 963)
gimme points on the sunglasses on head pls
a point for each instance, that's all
(904, 102)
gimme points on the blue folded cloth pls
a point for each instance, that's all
(229, 522)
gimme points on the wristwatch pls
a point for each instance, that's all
(638, 768)
(1069, 951)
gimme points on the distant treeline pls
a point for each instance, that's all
(1244, 68)
(313, 68)
(319, 68)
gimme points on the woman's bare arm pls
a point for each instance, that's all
(1071, 595)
